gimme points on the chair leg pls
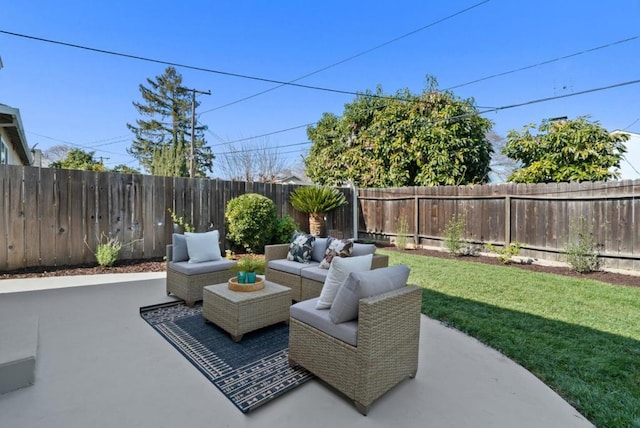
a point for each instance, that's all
(292, 363)
(361, 408)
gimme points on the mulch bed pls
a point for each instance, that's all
(158, 265)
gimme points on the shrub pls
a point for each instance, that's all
(505, 254)
(107, 252)
(284, 229)
(453, 235)
(582, 250)
(317, 199)
(402, 229)
(250, 221)
(181, 221)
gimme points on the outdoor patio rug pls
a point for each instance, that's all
(249, 373)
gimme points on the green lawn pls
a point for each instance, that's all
(581, 337)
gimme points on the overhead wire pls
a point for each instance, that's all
(608, 45)
(352, 57)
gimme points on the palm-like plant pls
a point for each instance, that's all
(316, 200)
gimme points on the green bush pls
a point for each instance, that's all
(284, 229)
(402, 233)
(505, 254)
(250, 221)
(107, 252)
(453, 235)
(582, 250)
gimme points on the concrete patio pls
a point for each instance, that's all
(100, 365)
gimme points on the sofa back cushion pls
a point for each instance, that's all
(362, 249)
(359, 285)
(319, 247)
(179, 242)
(338, 271)
(203, 247)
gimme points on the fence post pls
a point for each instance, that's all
(507, 221)
(416, 220)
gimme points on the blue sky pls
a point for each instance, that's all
(85, 98)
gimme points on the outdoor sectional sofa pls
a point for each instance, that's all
(306, 279)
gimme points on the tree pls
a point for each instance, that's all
(124, 169)
(253, 161)
(568, 150)
(57, 153)
(79, 159)
(168, 105)
(428, 139)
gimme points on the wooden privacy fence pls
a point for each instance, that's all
(538, 216)
(52, 217)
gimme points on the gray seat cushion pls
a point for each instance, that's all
(359, 285)
(362, 249)
(204, 267)
(315, 273)
(306, 312)
(290, 266)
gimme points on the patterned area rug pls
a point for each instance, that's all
(249, 373)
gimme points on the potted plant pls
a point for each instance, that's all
(317, 201)
(247, 269)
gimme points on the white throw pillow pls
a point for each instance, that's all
(203, 247)
(339, 271)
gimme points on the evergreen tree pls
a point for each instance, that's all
(167, 132)
(79, 159)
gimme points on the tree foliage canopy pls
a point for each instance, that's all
(164, 140)
(79, 159)
(570, 150)
(381, 141)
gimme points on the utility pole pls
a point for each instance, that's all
(192, 166)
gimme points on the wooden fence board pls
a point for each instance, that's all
(4, 218)
(47, 216)
(16, 219)
(32, 216)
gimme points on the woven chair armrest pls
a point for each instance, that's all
(275, 252)
(389, 319)
(379, 261)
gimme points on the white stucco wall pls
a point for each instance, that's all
(630, 166)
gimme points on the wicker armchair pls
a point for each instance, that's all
(188, 286)
(388, 331)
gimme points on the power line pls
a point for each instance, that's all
(258, 149)
(190, 67)
(632, 123)
(410, 33)
(544, 62)
(226, 143)
(469, 83)
(73, 144)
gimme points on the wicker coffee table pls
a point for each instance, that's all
(241, 312)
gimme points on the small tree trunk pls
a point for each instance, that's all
(316, 224)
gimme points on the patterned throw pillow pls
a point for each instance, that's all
(301, 248)
(336, 248)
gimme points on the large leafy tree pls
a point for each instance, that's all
(167, 132)
(432, 138)
(79, 159)
(565, 150)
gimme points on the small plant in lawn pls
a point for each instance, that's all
(505, 254)
(181, 221)
(402, 236)
(582, 250)
(453, 235)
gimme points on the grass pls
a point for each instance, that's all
(580, 337)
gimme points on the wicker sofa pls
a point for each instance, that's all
(306, 279)
(187, 280)
(365, 357)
